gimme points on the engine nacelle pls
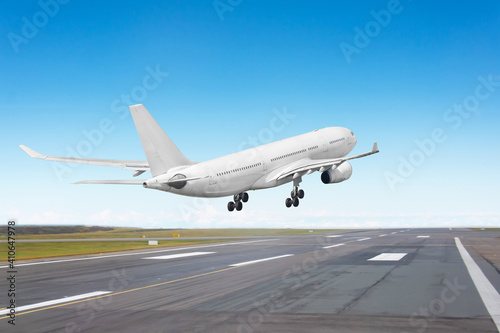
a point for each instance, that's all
(343, 172)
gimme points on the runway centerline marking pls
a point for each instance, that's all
(423, 236)
(392, 233)
(363, 239)
(335, 236)
(382, 235)
(180, 255)
(56, 301)
(388, 257)
(488, 293)
(259, 260)
(138, 253)
(327, 247)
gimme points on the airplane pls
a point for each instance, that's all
(262, 167)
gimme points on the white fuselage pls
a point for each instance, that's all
(254, 168)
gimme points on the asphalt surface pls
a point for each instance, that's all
(301, 287)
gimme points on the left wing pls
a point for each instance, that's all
(308, 166)
(138, 166)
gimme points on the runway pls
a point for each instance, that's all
(400, 280)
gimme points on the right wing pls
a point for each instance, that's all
(138, 166)
(307, 166)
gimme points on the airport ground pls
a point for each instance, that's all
(399, 280)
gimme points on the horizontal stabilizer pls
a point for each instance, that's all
(180, 180)
(113, 182)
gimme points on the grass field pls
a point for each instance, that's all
(138, 233)
(56, 249)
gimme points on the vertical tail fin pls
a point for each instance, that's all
(161, 152)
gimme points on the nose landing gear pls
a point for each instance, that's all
(239, 199)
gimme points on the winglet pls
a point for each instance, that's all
(31, 152)
(375, 148)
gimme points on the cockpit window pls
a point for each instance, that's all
(352, 134)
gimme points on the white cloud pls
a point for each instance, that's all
(50, 218)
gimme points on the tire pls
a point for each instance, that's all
(230, 206)
(295, 202)
(301, 194)
(245, 197)
(288, 202)
(239, 206)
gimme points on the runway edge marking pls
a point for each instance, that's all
(488, 293)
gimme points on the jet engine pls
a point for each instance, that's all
(337, 175)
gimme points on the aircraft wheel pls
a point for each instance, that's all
(288, 202)
(301, 194)
(295, 202)
(245, 197)
(239, 206)
(230, 206)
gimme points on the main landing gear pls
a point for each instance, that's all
(238, 201)
(296, 194)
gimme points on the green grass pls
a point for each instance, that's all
(56, 249)
(138, 233)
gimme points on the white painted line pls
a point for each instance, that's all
(423, 236)
(57, 301)
(180, 255)
(382, 235)
(260, 260)
(335, 236)
(327, 247)
(392, 233)
(388, 257)
(488, 293)
(138, 253)
(363, 239)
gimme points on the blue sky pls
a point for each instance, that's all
(393, 72)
